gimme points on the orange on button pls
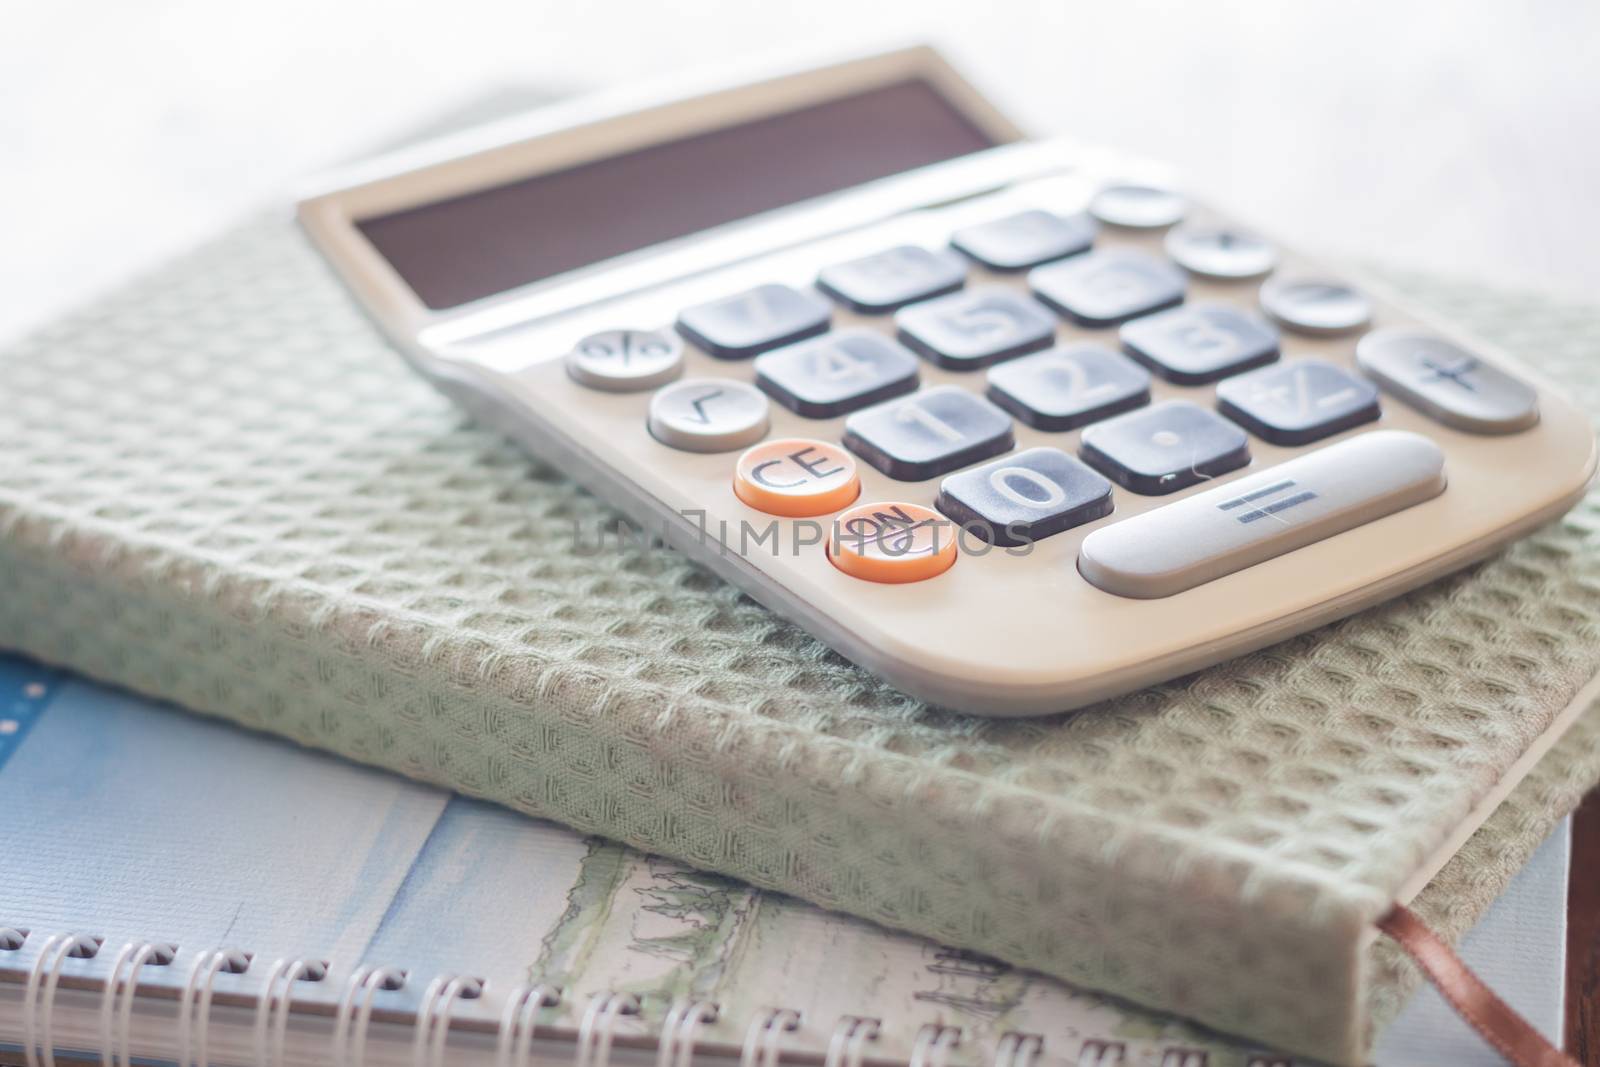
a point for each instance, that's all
(796, 478)
(893, 543)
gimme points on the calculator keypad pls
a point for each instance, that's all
(1165, 448)
(1025, 239)
(892, 278)
(1108, 287)
(1297, 403)
(1068, 387)
(1020, 499)
(929, 433)
(755, 320)
(1201, 343)
(708, 415)
(973, 329)
(838, 373)
(914, 433)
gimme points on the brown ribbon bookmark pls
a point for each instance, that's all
(1475, 1002)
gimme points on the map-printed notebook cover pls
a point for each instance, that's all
(221, 488)
(133, 823)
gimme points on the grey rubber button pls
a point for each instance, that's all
(1025, 239)
(1320, 307)
(1311, 497)
(1220, 252)
(1137, 207)
(1447, 382)
(626, 361)
(709, 415)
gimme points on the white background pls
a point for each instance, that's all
(1460, 137)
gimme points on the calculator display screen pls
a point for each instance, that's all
(472, 246)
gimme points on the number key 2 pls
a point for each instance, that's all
(1069, 387)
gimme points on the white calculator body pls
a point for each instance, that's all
(1010, 422)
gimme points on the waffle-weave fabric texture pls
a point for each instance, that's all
(220, 487)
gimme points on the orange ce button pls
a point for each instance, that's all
(892, 543)
(796, 478)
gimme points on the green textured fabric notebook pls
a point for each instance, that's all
(221, 488)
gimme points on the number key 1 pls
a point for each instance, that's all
(928, 433)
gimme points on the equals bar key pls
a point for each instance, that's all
(1237, 525)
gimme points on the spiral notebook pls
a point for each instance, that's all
(180, 891)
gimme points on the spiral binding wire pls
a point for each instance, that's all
(119, 993)
(933, 1045)
(598, 1028)
(675, 1047)
(1017, 1049)
(848, 1046)
(518, 1020)
(39, 995)
(761, 1040)
(433, 1017)
(272, 1008)
(363, 986)
(1102, 1054)
(515, 1032)
(194, 1005)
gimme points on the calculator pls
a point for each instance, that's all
(1014, 423)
